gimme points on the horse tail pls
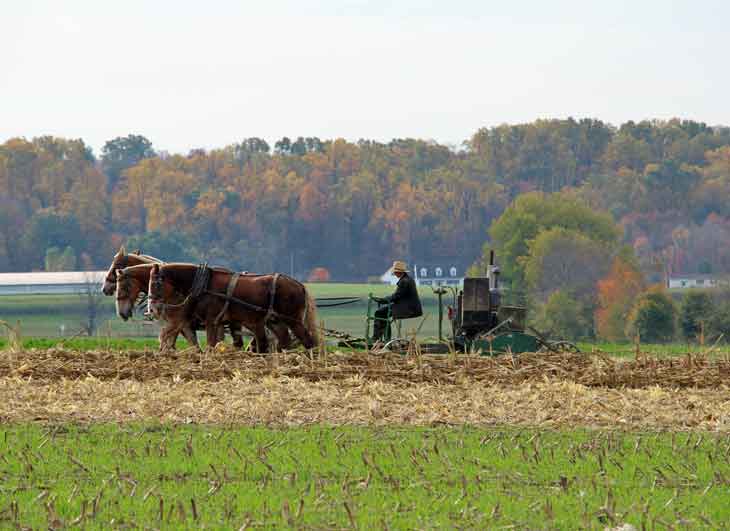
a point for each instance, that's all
(310, 317)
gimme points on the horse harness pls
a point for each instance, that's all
(122, 292)
(201, 280)
(229, 298)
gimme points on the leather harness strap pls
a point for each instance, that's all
(232, 283)
(272, 298)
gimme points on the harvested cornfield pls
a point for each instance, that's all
(590, 370)
(225, 386)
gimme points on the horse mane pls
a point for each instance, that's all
(145, 258)
(148, 258)
(180, 274)
(136, 269)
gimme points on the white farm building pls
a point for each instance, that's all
(45, 283)
(695, 281)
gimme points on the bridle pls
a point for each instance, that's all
(156, 296)
(123, 293)
(111, 276)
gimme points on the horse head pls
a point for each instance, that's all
(110, 280)
(156, 293)
(128, 288)
(163, 294)
(123, 260)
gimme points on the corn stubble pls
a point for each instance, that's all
(102, 439)
(545, 390)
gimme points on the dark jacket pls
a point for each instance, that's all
(405, 301)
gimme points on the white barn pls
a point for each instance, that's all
(50, 283)
(438, 275)
(695, 281)
(429, 275)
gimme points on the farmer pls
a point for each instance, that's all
(404, 303)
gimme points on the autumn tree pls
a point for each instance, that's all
(617, 292)
(57, 260)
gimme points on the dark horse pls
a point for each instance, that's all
(130, 282)
(127, 298)
(252, 300)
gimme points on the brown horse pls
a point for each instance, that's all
(252, 300)
(130, 282)
(120, 261)
(170, 330)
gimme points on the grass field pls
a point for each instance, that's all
(42, 317)
(62, 315)
(175, 476)
(227, 440)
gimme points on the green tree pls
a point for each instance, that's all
(168, 247)
(564, 316)
(532, 213)
(46, 229)
(124, 152)
(57, 260)
(653, 318)
(566, 259)
(718, 325)
(695, 313)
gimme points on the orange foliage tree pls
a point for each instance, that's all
(319, 274)
(616, 295)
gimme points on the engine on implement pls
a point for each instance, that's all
(480, 322)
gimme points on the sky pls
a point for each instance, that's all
(193, 74)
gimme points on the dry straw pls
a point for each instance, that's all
(226, 386)
(594, 370)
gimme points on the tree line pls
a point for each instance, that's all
(353, 207)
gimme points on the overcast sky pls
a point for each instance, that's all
(190, 74)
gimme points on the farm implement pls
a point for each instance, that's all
(480, 323)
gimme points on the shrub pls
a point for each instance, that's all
(564, 317)
(653, 318)
(695, 313)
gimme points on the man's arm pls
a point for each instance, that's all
(399, 293)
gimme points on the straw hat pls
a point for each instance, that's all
(399, 267)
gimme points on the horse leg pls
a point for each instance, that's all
(211, 333)
(259, 333)
(281, 331)
(221, 332)
(303, 334)
(189, 332)
(236, 334)
(167, 337)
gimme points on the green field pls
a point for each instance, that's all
(45, 315)
(163, 476)
(42, 316)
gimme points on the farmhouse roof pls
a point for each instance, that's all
(693, 277)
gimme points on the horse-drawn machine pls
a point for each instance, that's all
(480, 322)
(277, 305)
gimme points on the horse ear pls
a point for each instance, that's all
(137, 252)
(122, 250)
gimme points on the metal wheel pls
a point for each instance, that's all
(565, 346)
(397, 345)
